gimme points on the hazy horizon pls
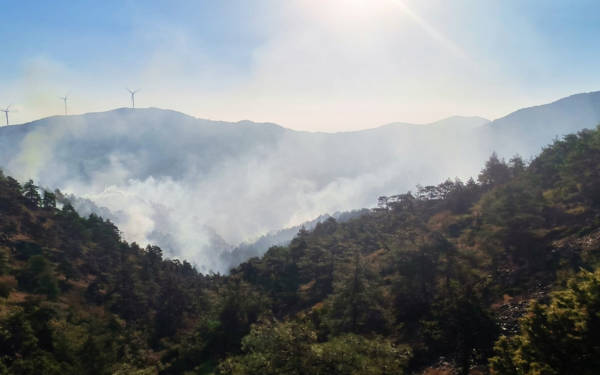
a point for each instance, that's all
(441, 120)
(340, 65)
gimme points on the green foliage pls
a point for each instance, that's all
(31, 194)
(49, 200)
(241, 306)
(460, 321)
(25, 249)
(556, 338)
(273, 348)
(38, 277)
(570, 168)
(291, 348)
(496, 172)
(26, 342)
(4, 261)
(429, 269)
(356, 304)
(357, 355)
(10, 194)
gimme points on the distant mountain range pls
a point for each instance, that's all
(160, 171)
(526, 130)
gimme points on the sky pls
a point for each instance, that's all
(316, 65)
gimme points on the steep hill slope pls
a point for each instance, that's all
(450, 268)
(441, 273)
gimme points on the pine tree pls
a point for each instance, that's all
(49, 200)
(31, 194)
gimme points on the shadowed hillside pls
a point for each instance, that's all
(441, 278)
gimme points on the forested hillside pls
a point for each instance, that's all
(439, 281)
(198, 188)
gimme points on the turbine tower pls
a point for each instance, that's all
(132, 92)
(6, 110)
(64, 99)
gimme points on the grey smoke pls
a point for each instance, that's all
(199, 187)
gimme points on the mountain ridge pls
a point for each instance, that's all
(156, 110)
(243, 180)
(566, 99)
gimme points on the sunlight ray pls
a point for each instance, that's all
(432, 31)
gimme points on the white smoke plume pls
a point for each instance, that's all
(197, 187)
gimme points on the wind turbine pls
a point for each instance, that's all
(64, 99)
(6, 110)
(132, 92)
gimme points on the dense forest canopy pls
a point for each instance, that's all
(498, 274)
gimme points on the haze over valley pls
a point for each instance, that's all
(300, 187)
(198, 188)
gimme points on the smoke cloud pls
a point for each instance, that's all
(197, 187)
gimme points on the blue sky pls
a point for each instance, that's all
(326, 65)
